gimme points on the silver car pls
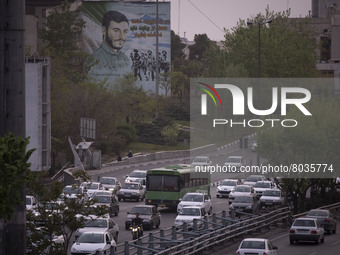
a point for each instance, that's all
(306, 229)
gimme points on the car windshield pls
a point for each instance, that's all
(141, 210)
(200, 160)
(138, 174)
(243, 200)
(193, 198)
(253, 245)
(262, 185)
(233, 160)
(253, 179)
(93, 186)
(190, 211)
(28, 201)
(272, 193)
(72, 190)
(102, 199)
(91, 238)
(108, 181)
(130, 186)
(304, 223)
(318, 213)
(242, 189)
(96, 223)
(228, 183)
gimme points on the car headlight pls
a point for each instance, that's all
(248, 207)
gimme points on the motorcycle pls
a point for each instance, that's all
(136, 231)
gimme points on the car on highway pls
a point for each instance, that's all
(234, 162)
(262, 186)
(248, 204)
(149, 213)
(240, 191)
(93, 187)
(201, 161)
(92, 242)
(256, 246)
(110, 183)
(94, 224)
(272, 197)
(252, 179)
(107, 199)
(306, 229)
(74, 192)
(195, 199)
(136, 174)
(188, 214)
(225, 186)
(325, 218)
(131, 191)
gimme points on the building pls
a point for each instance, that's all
(38, 112)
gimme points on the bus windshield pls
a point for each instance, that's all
(163, 183)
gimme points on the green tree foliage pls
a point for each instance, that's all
(177, 54)
(61, 30)
(14, 172)
(287, 46)
(314, 140)
(170, 134)
(202, 43)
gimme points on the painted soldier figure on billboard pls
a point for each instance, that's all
(108, 61)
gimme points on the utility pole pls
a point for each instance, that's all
(12, 110)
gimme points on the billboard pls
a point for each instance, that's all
(121, 39)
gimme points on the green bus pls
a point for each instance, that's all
(166, 185)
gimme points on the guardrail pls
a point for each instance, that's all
(215, 229)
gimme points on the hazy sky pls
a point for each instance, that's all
(214, 15)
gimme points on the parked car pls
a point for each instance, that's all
(188, 214)
(306, 229)
(131, 190)
(325, 218)
(196, 199)
(95, 224)
(247, 204)
(262, 186)
(252, 179)
(225, 186)
(240, 191)
(110, 183)
(108, 200)
(272, 197)
(234, 162)
(90, 242)
(31, 203)
(149, 213)
(136, 174)
(256, 246)
(201, 161)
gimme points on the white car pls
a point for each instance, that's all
(95, 224)
(94, 187)
(31, 203)
(240, 191)
(136, 174)
(262, 186)
(225, 186)
(201, 161)
(272, 197)
(131, 190)
(188, 214)
(90, 242)
(252, 179)
(234, 162)
(306, 229)
(111, 184)
(73, 191)
(256, 246)
(195, 199)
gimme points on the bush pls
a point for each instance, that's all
(170, 134)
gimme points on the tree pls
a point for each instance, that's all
(61, 30)
(177, 54)
(287, 46)
(202, 43)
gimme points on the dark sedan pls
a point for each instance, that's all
(325, 218)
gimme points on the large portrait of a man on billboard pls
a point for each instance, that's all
(120, 38)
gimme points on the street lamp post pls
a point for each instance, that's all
(259, 65)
